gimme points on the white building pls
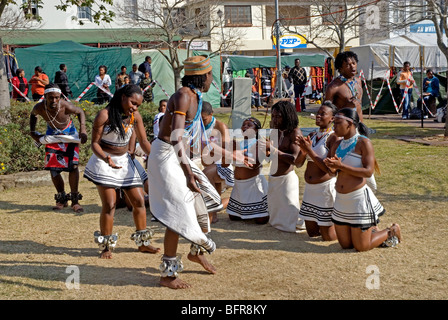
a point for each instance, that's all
(250, 22)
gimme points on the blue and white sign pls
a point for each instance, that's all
(426, 26)
(291, 41)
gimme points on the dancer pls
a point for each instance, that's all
(356, 209)
(61, 143)
(283, 192)
(176, 185)
(319, 194)
(216, 169)
(248, 199)
(111, 167)
(345, 91)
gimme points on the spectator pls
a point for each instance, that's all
(146, 66)
(404, 76)
(102, 80)
(126, 81)
(431, 91)
(119, 81)
(20, 84)
(135, 76)
(156, 124)
(298, 77)
(61, 80)
(38, 83)
(147, 95)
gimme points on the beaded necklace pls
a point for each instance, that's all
(351, 85)
(346, 146)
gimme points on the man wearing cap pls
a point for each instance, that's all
(61, 143)
(176, 198)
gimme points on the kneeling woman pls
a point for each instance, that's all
(112, 167)
(249, 196)
(318, 197)
(356, 209)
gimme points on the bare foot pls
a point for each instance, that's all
(395, 230)
(106, 254)
(203, 262)
(213, 217)
(173, 283)
(148, 249)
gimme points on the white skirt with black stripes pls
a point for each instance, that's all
(130, 175)
(249, 198)
(226, 173)
(318, 201)
(357, 209)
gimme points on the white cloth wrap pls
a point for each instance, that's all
(60, 138)
(249, 198)
(358, 209)
(172, 202)
(318, 201)
(131, 174)
(283, 201)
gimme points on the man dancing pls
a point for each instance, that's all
(345, 91)
(176, 184)
(61, 143)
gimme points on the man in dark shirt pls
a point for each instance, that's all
(297, 75)
(61, 80)
(146, 66)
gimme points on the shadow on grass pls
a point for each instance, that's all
(12, 208)
(59, 272)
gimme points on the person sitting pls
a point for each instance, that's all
(431, 91)
(249, 196)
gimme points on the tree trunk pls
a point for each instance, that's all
(177, 77)
(5, 103)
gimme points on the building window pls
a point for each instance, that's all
(240, 16)
(85, 13)
(286, 12)
(333, 14)
(31, 9)
(131, 8)
(175, 18)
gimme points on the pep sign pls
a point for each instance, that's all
(292, 42)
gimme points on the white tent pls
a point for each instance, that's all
(395, 51)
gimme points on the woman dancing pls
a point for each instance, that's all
(111, 167)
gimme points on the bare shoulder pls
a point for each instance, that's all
(102, 115)
(69, 107)
(221, 126)
(295, 133)
(38, 108)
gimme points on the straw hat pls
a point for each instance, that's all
(197, 65)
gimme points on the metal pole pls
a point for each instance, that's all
(277, 47)
(371, 89)
(421, 82)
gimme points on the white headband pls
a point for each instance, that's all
(344, 117)
(52, 90)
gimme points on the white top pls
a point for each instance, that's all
(106, 80)
(156, 123)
